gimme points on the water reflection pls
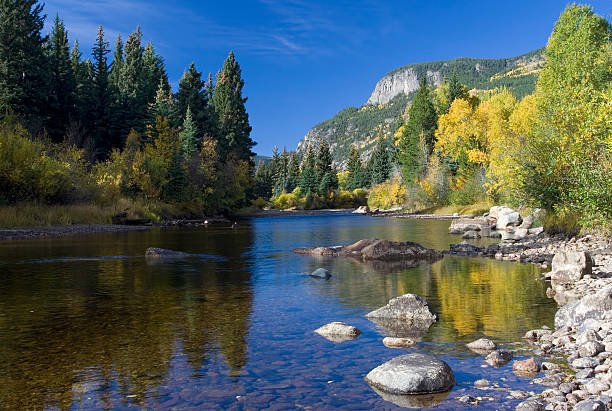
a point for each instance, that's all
(87, 329)
(113, 326)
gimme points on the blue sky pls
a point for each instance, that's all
(303, 61)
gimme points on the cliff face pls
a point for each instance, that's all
(382, 113)
(403, 81)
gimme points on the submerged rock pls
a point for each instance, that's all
(158, 254)
(413, 401)
(412, 374)
(338, 331)
(321, 273)
(471, 235)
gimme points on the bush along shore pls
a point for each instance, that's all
(581, 283)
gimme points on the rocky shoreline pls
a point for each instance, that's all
(581, 284)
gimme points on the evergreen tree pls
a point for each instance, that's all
(262, 181)
(281, 183)
(293, 173)
(102, 98)
(117, 64)
(164, 106)
(79, 125)
(232, 118)
(23, 66)
(379, 167)
(189, 136)
(357, 177)
(191, 94)
(133, 104)
(455, 90)
(308, 175)
(422, 123)
(62, 85)
(275, 170)
(154, 73)
(325, 173)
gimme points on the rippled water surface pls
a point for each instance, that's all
(85, 322)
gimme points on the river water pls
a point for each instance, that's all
(86, 323)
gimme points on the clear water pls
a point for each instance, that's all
(85, 322)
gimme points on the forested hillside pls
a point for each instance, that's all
(382, 114)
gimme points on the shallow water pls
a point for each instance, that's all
(85, 322)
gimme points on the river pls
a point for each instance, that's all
(85, 322)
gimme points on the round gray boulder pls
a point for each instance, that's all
(321, 273)
(338, 331)
(412, 374)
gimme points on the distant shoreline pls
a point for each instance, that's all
(34, 233)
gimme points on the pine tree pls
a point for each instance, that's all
(188, 136)
(23, 66)
(325, 174)
(276, 172)
(293, 173)
(191, 93)
(154, 74)
(308, 174)
(131, 81)
(62, 85)
(422, 124)
(455, 90)
(102, 98)
(262, 181)
(232, 118)
(164, 106)
(80, 123)
(379, 167)
(357, 174)
(117, 64)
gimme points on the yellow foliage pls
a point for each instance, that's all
(389, 194)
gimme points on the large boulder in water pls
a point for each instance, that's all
(596, 306)
(408, 316)
(412, 374)
(413, 401)
(375, 249)
(407, 307)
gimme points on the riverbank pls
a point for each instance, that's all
(21, 233)
(583, 323)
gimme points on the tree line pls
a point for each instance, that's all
(132, 134)
(552, 149)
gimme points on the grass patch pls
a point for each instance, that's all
(478, 208)
(34, 214)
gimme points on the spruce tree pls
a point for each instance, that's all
(325, 173)
(191, 93)
(189, 137)
(357, 174)
(154, 74)
(422, 123)
(262, 181)
(164, 106)
(62, 85)
(379, 167)
(293, 173)
(131, 86)
(117, 64)
(102, 98)
(232, 118)
(275, 169)
(455, 90)
(308, 174)
(23, 65)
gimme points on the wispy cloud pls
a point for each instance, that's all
(281, 27)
